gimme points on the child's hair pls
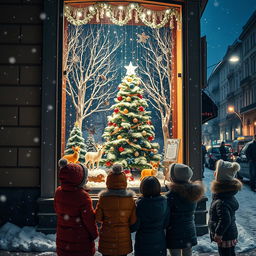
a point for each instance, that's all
(150, 186)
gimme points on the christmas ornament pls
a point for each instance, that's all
(126, 111)
(114, 124)
(128, 175)
(116, 110)
(119, 137)
(118, 88)
(132, 86)
(141, 109)
(149, 122)
(142, 38)
(150, 138)
(112, 149)
(135, 140)
(151, 154)
(155, 150)
(110, 123)
(144, 133)
(119, 98)
(135, 120)
(136, 153)
(140, 96)
(120, 149)
(108, 163)
(128, 98)
(129, 79)
(130, 160)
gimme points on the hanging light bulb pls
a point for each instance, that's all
(149, 12)
(91, 8)
(108, 14)
(120, 7)
(168, 11)
(132, 6)
(79, 14)
(143, 15)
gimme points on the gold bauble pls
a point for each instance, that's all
(135, 120)
(128, 98)
(119, 137)
(144, 133)
(136, 153)
(126, 111)
(129, 79)
(112, 149)
(155, 150)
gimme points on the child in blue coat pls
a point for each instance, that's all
(152, 218)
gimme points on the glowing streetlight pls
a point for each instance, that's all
(231, 110)
(234, 59)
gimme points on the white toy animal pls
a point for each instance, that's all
(94, 157)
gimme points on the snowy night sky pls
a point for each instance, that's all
(222, 24)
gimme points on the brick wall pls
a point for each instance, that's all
(20, 100)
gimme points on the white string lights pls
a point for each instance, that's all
(121, 15)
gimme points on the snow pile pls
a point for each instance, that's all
(96, 172)
(13, 238)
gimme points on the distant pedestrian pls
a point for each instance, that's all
(223, 151)
(182, 199)
(152, 219)
(204, 152)
(251, 156)
(222, 221)
(116, 211)
(76, 226)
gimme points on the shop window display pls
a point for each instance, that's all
(119, 98)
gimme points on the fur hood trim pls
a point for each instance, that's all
(117, 192)
(227, 186)
(192, 191)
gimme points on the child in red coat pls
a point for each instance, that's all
(76, 226)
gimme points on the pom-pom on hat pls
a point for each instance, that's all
(180, 173)
(72, 174)
(116, 178)
(226, 171)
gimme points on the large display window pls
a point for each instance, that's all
(122, 86)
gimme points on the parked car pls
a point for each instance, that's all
(240, 142)
(213, 155)
(244, 164)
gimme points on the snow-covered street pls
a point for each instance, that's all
(26, 239)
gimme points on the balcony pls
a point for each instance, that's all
(248, 108)
(245, 81)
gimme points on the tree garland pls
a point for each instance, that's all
(80, 16)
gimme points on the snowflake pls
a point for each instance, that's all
(33, 50)
(12, 60)
(3, 198)
(36, 139)
(66, 217)
(49, 107)
(42, 16)
(28, 155)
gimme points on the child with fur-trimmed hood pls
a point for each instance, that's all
(182, 199)
(222, 222)
(116, 211)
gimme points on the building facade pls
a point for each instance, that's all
(232, 86)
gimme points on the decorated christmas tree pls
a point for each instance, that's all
(76, 139)
(130, 132)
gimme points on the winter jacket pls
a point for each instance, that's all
(251, 151)
(152, 219)
(223, 153)
(76, 226)
(116, 212)
(222, 221)
(182, 199)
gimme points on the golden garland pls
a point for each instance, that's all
(74, 15)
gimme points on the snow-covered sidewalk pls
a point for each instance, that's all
(26, 239)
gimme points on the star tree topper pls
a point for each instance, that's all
(130, 69)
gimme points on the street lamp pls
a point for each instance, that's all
(232, 59)
(231, 110)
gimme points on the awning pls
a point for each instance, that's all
(209, 108)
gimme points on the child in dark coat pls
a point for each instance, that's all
(76, 226)
(152, 218)
(182, 199)
(222, 222)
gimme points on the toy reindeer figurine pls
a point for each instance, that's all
(94, 157)
(150, 172)
(73, 158)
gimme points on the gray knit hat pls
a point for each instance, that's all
(180, 173)
(226, 171)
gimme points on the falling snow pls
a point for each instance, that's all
(42, 16)
(12, 60)
(36, 139)
(3, 198)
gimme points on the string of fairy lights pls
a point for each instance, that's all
(121, 15)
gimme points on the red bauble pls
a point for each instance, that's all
(116, 110)
(121, 149)
(150, 138)
(108, 164)
(119, 98)
(118, 88)
(149, 122)
(141, 109)
(114, 124)
(110, 123)
(140, 96)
